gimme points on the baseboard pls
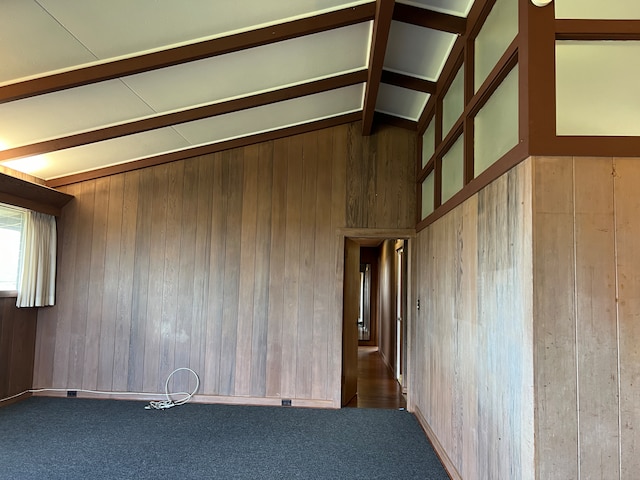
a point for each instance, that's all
(18, 398)
(204, 399)
(437, 446)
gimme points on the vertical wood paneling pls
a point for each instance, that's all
(596, 333)
(277, 269)
(233, 181)
(228, 263)
(17, 347)
(124, 309)
(110, 275)
(291, 269)
(554, 313)
(247, 272)
(151, 380)
(260, 302)
(96, 285)
(473, 371)
(304, 357)
(323, 236)
(80, 302)
(627, 205)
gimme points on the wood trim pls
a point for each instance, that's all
(407, 81)
(597, 29)
(203, 150)
(429, 19)
(441, 452)
(536, 52)
(21, 193)
(565, 146)
(509, 160)
(203, 399)
(188, 115)
(380, 36)
(186, 53)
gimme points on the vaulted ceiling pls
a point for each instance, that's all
(94, 84)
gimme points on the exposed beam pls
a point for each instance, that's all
(429, 19)
(204, 150)
(597, 29)
(407, 81)
(381, 27)
(396, 121)
(186, 53)
(182, 116)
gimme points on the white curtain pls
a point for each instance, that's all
(37, 281)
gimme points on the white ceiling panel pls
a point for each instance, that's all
(255, 70)
(417, 51)
(273, 116)
(32, 42)
(459, 8)
(401, 102)
(120, 27)
(101, 154)
(68, 111)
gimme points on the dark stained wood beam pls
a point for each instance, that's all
(395, 121)
(204, 150)
(188, 115)
(381, 27)
(429, 19)
(597, 29)
(186, 53)
(407, 81)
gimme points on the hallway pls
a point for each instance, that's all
(376, 386)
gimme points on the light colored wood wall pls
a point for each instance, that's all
(586, 324)
(226, 263)
(525, 354)
(472, 355)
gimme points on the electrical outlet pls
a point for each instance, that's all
(72, 393)
(286, 402)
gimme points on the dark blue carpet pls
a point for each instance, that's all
(56, 438)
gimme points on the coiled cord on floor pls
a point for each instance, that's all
(169, 402)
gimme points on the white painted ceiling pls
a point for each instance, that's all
(44, 39)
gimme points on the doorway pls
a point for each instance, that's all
(375, 299)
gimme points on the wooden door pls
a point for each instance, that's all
(350, 320)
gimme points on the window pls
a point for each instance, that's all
(11, 224)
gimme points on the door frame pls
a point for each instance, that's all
(359, 235)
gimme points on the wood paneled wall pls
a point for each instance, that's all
(525, 355)
(226, 263)
(472, 358)
(587, 328)
(17, 345)
(388, 296)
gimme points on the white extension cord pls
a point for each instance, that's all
(169, 402)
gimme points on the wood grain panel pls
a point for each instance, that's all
(473, 369)
(596, 333)
(227, 263)
(17, 347)
(555, 314)
(627, 206)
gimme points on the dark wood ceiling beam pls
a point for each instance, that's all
(381, 27)
(407, 81)
(597, 29)
(429, 19)
(204, 150)
(188, 115)
(396, 121)
(186, 53)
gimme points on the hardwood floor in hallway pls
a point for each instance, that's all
(376, 386)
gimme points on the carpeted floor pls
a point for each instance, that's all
(55, 438)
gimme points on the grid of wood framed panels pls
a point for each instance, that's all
(473, 118)
(522, 68)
